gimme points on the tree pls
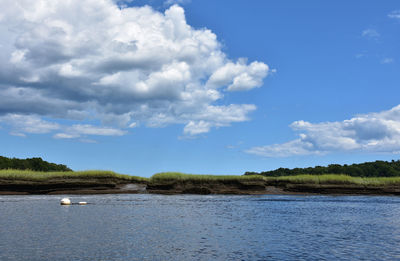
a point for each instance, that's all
(367, 169)
(36, 164)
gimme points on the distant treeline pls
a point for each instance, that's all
(36, 164)
(367, 169)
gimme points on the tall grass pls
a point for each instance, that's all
(177, 176)
(165, 177)
(28, 175)
(336, 179)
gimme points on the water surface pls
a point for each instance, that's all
(194, 227)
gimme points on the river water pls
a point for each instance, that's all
(194, 227)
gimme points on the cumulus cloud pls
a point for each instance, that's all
(21, 124)
(217, 116)
(102, 60)
(239, 76)
(194, 128)
(373, 132)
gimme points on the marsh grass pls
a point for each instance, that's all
(28, 175)
(336, 179)
(383, 181)
(168, 177)
(177, 176)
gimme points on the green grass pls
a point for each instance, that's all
(336, 179)
(165, 177)
(177, 176)
(316, 180)
(28, 175)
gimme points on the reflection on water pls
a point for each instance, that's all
(191, 227)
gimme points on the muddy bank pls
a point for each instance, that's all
(209, 187)
(288, 187)
(75, 186)
(8, 187)
(107, 186)
(259, 188)
(341, 189)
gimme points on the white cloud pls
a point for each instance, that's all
(395, 14)
(370, 33)
(194, 128)
(33, 124)
(133, 125)
(66, 136)
(373, 132)
(387, 60)
(94, 130)
(217, 116)
(21, 124)
(79, 130)
(17, 134)
(121, 65)
(239, 76)
(291, 148)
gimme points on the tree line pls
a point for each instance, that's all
(368, 169)
(35, 164)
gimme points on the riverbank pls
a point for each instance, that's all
(178, 183)
(14, 182)
(80, 182)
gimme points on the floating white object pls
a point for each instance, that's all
(82, 203)
(65, 201)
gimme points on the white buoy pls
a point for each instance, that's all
(82, 203)
(65, 201)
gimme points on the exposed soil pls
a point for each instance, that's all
(102, 186)
(257, 188)
(200, 187)
(70, 186)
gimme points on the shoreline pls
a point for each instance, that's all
(177, 188)
(14, 182)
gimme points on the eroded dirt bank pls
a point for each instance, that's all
(102, 186)
(77, 186)
(257, 188)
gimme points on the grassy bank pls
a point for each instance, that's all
(180, 183)
(95, 181)
(335, 179)
(177, 176)
(326, 179)
(28, 175)
(166, 177)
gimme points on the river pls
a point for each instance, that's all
(196, 227)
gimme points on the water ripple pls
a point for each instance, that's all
(191, 227)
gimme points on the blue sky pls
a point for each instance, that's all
(219, 87)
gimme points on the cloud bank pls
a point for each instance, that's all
(94, 60)
(373, 132)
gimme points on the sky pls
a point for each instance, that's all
(199, 86)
